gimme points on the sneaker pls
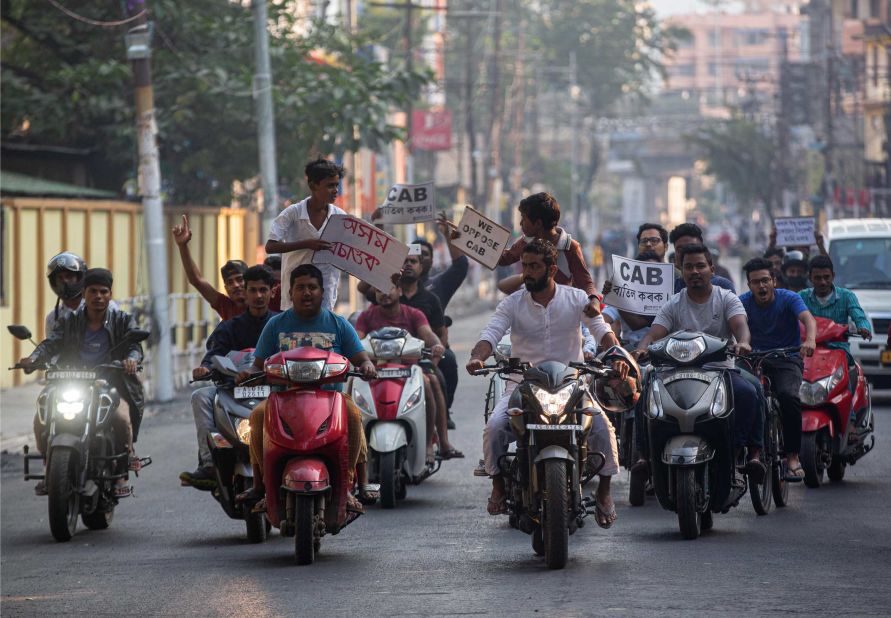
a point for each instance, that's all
(202, 478)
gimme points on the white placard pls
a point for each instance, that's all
(480, 238)
(407, 204)
(795, 231)
(361, 249)
(640, 287)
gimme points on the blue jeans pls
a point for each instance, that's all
(748, 414)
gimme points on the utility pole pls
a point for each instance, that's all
(409, 67)
(138, 42)
(574, 147)
(783, 126)
(493, 147)
(469, 125)
(265, 116)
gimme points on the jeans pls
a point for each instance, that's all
(498, 435)
(202, 410)
(748, 413)
(785, 382)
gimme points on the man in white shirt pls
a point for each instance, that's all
(544, 323)
(296, 230)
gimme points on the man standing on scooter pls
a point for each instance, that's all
(704, 307)
(544, 321)
(235, 334)
(773, 321)
(308, 323)
(389, 311)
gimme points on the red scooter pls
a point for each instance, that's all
(836, 422)
(305, 447)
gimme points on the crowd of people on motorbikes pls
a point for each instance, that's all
(552, 313)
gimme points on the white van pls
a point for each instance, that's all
(861, 254)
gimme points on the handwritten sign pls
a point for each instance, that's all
(361, 249)
(409, 204)
(480, 238)
(795, 231)
(640, 287)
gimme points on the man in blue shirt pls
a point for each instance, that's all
(691, 234)
(306, 323)
(773, 316)
(238, 333)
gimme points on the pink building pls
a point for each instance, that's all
(731, 59)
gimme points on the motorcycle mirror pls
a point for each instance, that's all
(137, 335)
(19, 331)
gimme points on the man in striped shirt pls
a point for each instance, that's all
(826, 300)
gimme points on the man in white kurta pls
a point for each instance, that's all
(543, 319)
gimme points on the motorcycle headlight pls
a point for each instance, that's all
(719, 405)
(332, 369)
(387, 348)
(817, 392)
(243, 429)
(362, 403)
(70, 403)
(834, 380)
(685, 351)
(413, 399)
(305, 371)
(654, 402)
(553, 404)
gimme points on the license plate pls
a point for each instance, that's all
(393, 373)
(251, 392)
(71, 375)
(886, 357)
(555, 427)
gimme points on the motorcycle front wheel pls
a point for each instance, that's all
(689, 517)
(389, 476)
(812, 457)
(305, 526)
(64, 501)
(555, 508)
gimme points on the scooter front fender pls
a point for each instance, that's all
(386, 437)
(815, 420)
(687, 450)
(306, 476)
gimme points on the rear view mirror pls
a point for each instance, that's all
(137, 335)
(19, 331)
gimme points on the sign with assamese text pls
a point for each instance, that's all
(795, 231)
(407, 204)
(640, 287)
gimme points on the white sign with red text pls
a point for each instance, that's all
(363, 250)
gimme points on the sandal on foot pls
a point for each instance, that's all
(795, 475)
(353, 505)
(250, 496)
(260, 506)
(369, 493)
(496, 507)
(605, 519)
(452, 453)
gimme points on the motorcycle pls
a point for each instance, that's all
(837, 423)
(305, 446)
(551, 413)
(230, 443)
(394, 413)
(82, 465)
(689, 416)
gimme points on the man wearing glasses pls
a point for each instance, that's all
(652, 237)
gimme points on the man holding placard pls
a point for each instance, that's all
(296, 232)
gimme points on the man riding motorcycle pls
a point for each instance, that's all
(308, 323)
(237, 333)
(90, 335)
(390, 312)
(544, 323)
(704, 307)
(65, 273)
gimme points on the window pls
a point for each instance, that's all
(712, 68)
(682, 70)
(875, 11)
(752, 36)
(852, 9)
(714, 38)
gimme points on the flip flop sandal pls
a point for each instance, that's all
(260, 506)
(249, 496)
(605, 519)
(795, 475)
(353, 505)
(451, 454)
(369, 493)
(496, 507)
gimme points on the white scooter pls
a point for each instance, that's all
(394, 413)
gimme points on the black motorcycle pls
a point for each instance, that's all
(551, 413)
(689, 409)
(230, 443)
(82, 463)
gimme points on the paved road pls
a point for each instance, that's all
(171, 551)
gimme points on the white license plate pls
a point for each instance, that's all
(555, 427)
(71, 375)
(251, 392)
(393, 373)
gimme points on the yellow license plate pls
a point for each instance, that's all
(886, 357)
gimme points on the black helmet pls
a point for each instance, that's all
(72, 263)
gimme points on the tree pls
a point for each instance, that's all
(743, 156)
(66, 82)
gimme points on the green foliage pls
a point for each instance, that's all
(69, 83)
(743, 156)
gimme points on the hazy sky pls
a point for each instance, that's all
(664, 8)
